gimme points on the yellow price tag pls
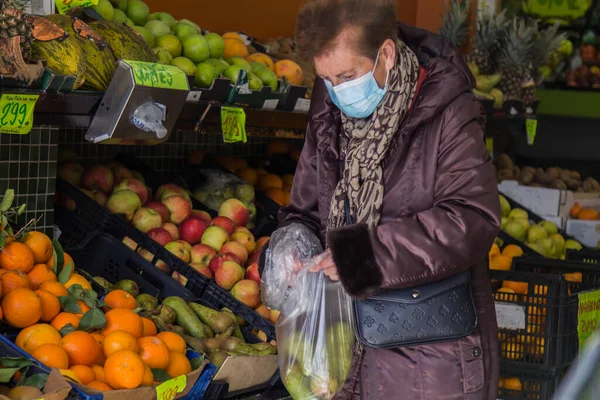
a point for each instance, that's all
(158, 75)
(233, 123)
(489, 143)
(167, 390)
(65, 5)
(16, 113)
(531, 129)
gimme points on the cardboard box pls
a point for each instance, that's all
(246, 372)
(585, 200)
(57, 387)
(586, 232)
(543, 202)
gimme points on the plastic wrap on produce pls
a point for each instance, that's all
(289, 247)
(315, 336)
(220, 186)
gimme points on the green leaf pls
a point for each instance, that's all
(65, 330)
(160, 375)
(7, 200)
(21, 209)
(92, 320)
(6, 374)
(91, 298)
(69, 304)
(197, 362)
(15, 362)
(2, 240)
(77, 291)
(36, 380)
(101, 303)
(4, 221)
(65, 273)
(59, 256)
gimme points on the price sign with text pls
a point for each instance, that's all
(63, 6)
(167, 390)
(16, 113)
(531, 129)
(158, 75)
(233, 123)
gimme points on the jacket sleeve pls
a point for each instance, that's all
(447, 239)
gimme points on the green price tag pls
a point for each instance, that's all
(16, 113)
(158, 75)
(489, 143)
(233, 123)
(588, 315)
(564, 9)
(65, 5)
(531, 129)
(167, 390)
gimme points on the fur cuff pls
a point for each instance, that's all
(353, 255)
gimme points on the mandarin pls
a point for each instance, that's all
(11, 280)
(40, 273)
(16, 256)
(124, 370)
(119, 340)
(84, 373)
(99, 386)
(77, 279)
(149, 327)
(56, 288)
(52, 356)
(65, 318)
(40, 246)
(29, 339)
(173, 341)
(178, 365)
(120, 299)
(123, 319)
(50, 305)
(154, 352)
(22, 307)
(81, 347)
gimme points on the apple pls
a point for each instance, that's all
(98, 178)
(146, 255)
(274, 316)
(146, 219)
(192, 229)
(160, 236)
(245, 239)
(229, 274)
(201, 214)
(179, 208)
(236, 211)
(252, 273)
(138, 175)
(135, 186)
(124, 202)
(242, 229)
(120, 172)
(159, 208)
(253, 257)
(202, 254)
(65, 201)
(101, 198)
(247, 291)
(237, 249)
(127, 241)
(263, 311)
(260, 243)
(224, 223)
(179, 278)
(179, 250)
(215, 237)
(218, 260)
(172, 229)
(163, 267)
(71, 171)
(186, 245)
(203, 269)
(169, 186)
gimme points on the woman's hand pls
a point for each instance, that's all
(324, 262)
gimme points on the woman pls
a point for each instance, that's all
(395, 129)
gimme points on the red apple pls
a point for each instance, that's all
(202, 214)
(172, 229)
(159, 208)
(229, 274)
(135, 186)
(169, 190)
(274, 316)
(160, 236)
(146, 219)
(202, 254)
(127, 241)
(179, 208)
(138, 175)
(237, 249)
(253, 257)
(120, 171)
(186, 245)
(203, 269)
(98, 178)
(252, 273)
(179, 278)
(245, 239)
(192, 229)
(217, 261)
(263, 311)
(170, 186)
(247, 291)
(179, 251)
(242, 229)
(101, 198)
(124, 202)
(215, 237)
(224, 223)
(260, 243)
(236, 211)
(71, 171)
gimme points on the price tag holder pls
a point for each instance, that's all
(233, 123)
(158, 75)
(167, 390)
(489, 143)
(63, 6)
(16, 113)
(531, 129)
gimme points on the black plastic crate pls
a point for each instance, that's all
(518, 383)
(527, 251)
(588, 256)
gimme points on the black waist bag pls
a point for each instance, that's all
(438, 311)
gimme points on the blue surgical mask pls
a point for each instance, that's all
(360, 97)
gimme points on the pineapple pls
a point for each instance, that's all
(13, 23)
(485, 41)
(455, 23)
(547, 44)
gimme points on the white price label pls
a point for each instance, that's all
(194, 95)
(271, 104)
(302, 105)
(510, 316)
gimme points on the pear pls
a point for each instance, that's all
(549, 247)
(518, 213)
(536, 233)
(516, 230)
(524, 222)
(505, 221)
(573, 245)
(504, 206)
(559, 242)
(549, 226)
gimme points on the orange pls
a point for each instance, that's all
(287, 198)
(29, 339)
(124, 370)
(65, 318)
(588, 214)
(69, 374)
(50, 305)
(287, 188)
(16, 256)
(232, 35)
(501, 263)
(40, 246)
(575, 210)
(261, 171)
(234, 47)
(149, 327)
(81, 347)
(573, 276)
(148, 377)
(77, 279)
(512, 250)
(518, 287)
(100, 340)
(83, 307)
(40, 273)
(154, 352)
(99, 372)
(119, 340)
(288, 179)
(1, 314)
(512, 384)
(99, 386)
(248, 174)
(240, 163)
(263, 59)
(120, 299)
(123, 319)
(277, 195)
(12, 280)
(178, 365)
(22, 307)
(67, 259)
(173, 341)
(494, 251)
(277, 147)
(56, 288)
(84, 373)
(228, 162)
(270, 181)
(290, 70)
(52, 356)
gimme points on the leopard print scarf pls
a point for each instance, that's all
(369, 140)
